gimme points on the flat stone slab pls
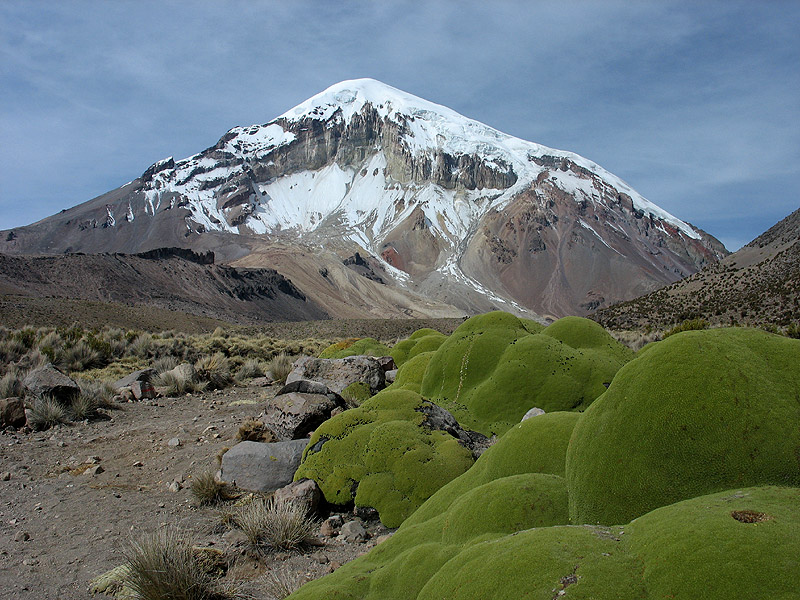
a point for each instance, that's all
(261, 467)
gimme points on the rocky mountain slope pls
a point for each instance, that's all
(168, 278)
(451, 214)
(759, 284)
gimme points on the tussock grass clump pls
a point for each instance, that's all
(276, 524)
(164, 364)
(282, 583)
(280, 366)
(82, 407)
(47, 412)
(79, 357)
(141, 345)
(215, 370)
(207, 490)
(100, 392)
(251, 368)
(162, 565)
(11, 386)
(688, 325)
(177, 383)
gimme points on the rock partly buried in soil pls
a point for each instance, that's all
(49, 381)
(338, 373)
(143, 375)
(304, 491)
(295, 414)
(262, 467)
(12, 413)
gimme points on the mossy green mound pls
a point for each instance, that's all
(355, 347)
(400, 567)
(492, 369)
(410, 374)
(516, 484)
(422, 340)
(381, 450)
(537, 445)
(699, 412)
(698, 548)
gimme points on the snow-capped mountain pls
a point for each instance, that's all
(437, 205)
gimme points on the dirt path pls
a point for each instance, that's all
(59, 527)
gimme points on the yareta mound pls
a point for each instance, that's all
(492, 369)
(516, 484)
(355, 347)
(410, 374)
(422, 340)
(735, 544)
(699, 412)
(381, 455)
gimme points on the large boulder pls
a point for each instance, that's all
(262, 467)
(339, 373)
(49, 381)
(294, 415)
(700, 412)
(12, 413)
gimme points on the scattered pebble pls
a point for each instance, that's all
(5, 476)
(95, 470)
(174, 442)
(22, 536)
(174, 486)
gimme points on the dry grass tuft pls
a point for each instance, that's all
(207, 490)
(276, 525)
(280, 366)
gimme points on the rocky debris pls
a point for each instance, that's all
(262, 467)
(142, 375)
(174, 442)
(94, 470)
(534, 412)
(22, 536)
(353, 531)
(304, 491)
(338, 373)
(440, 419)
(264, 381)
(12, 413)
(390, 375)
(175, 486)
(49, 381)
(185, 372)
(294, 414)
(5, 476)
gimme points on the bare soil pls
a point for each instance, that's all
(61, 526)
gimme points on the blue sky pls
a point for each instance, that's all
(695, 104)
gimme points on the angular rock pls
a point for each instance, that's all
(296, 414)
(386, 363)
(49, 381)
(390, 376)
(338, 373)
(12, 413)
(305, 386)
(142, 375)
(440, 419)
(353, 531)
(143, 390)
(304, 491)
(262, 467)
(534, 412)
(185, 371)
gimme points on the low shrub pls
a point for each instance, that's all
(11, 386)
(215, 370)
(280, 366)
(251, 368)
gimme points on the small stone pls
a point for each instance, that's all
(327, 530)
(320, 557)
(5, 476)
(174, 442)
(29, 562)
(353, 531)
(174, 486)
(95, 470)
(22, 536)
(138, 463)
(92, 460)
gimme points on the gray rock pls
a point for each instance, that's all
(95, 470)
(174, 442)
(353, 531)
(296, 414)
(185, 371)
(534, 412)
(338, 373)
(142, 375)
(12, 413)
(262, 467)
(386, 363)
(5, 476)
(305, 491)
(143, 390)
(390, 376)
(49, 381)
(440, 419)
